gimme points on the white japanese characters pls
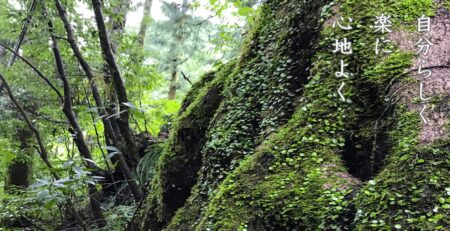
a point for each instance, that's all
(338, 23)
(383, 26)
(344, 47)
(423, 47)
(424, 24)
(378, 45)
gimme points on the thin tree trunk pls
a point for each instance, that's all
(145, 23)
(19, 172)
(77, 133)
(178, 37)
(119, 85)
(137, 194)
(117, 24)
(173, 82)
(20, 169)
(97, 136)
(116, 32)
(43, 152)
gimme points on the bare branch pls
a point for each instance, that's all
(38, 72)
(20, 38)
(186, 78)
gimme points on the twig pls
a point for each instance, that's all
(186, 78)
(97, 137)
(141, 202)
(32, 223)
(430, 67)
(38, 72)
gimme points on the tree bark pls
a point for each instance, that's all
(20, 169)
(173, 82)
(175, 59)
(119, 84)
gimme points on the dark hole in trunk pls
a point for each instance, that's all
(364, 156)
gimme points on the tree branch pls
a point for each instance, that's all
(42, 150)
(78, 133)
(38, 72)
(186, 78)
(108, 55)
(20, 38)
(110, 59)
(431, 67)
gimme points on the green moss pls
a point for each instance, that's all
(296, 180)
(256, 176)
(259, 98)
(402, 12)
(392, 69)
(413, 190)
(212, 79)
(299, 184)
(180, 160)
(195, 90)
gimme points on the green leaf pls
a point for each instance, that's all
(41, 182)
(43, 195)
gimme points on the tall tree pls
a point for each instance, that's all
(179, 18)
(145, 23)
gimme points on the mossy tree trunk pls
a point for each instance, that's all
(19, 173)
(282, 151)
